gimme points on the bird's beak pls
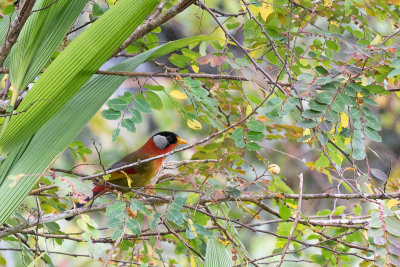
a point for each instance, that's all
(181, 141)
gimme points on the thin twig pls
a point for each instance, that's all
(296, 220)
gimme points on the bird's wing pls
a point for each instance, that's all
(121, 174)
(138, 175)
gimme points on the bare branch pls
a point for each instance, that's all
(15, 29)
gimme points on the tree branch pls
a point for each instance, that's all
(15, 29)
(155, 21)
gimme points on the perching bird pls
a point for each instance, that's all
(139, 175)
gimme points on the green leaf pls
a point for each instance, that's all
(117, 234)
(392, 225)
(114, 222)
(347, 6)
(321, 70)
(129, 125)
(339, 210)
(375, 89)
(312, 114)
(324, 98)
(255, 136)
(116, 210)
(137, 205)
(369, 101)
(332, 45)
(201, 230)
(373, 123)
(142, 105)
(98, 10)
(393, 73)
(154, 100)
(154, 87)
(117, 104)
(8, 9)
(237, 136)
(359, 154)
(154, 223)
(322, 162)
(174, 211)
(217, 255)
(338, 106)
(319, 259)
(190, 234)
(314, 105)
(134, 226)
(251, 146)
(180, 60)
(192, 198)
(332, 116)
(111, 114)
(371, 133)
(256, 126)
(284, 212)
(115, 134)
(36, 261)
(136, 116)
(307, 124)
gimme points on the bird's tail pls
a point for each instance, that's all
(98, 189)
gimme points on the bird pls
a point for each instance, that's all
(142, 174)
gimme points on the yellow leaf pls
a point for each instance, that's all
(128, 179)
(178, 94)
(328, 3)
(282, 18)
(344, 120)
(253, 9)
(303, 62)
(32, 241)
(219, 34)
(195, 68)
(334, 23)
(222, 240)
(370, 189)
(249, 109)
(266, 10)
(307, 132)
(3, 81)
(392, 203)
(192, 227)
(192, 261)
(377, 40)
(194, 124)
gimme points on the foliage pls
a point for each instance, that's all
(276, 97)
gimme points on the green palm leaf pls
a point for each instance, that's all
(40, 37)
(73, 68)
(217, 255)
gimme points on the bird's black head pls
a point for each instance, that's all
(162, 140)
